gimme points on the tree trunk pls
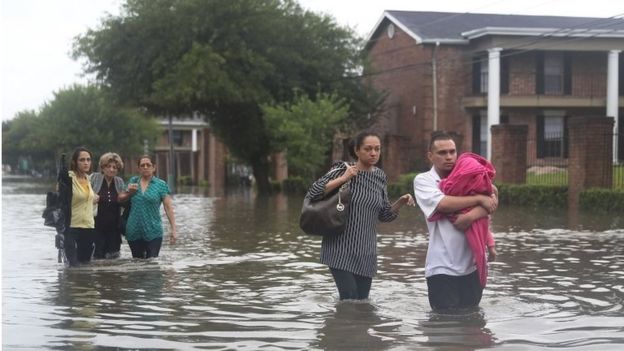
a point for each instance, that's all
(261, 173)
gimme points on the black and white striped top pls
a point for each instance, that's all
(355, 250)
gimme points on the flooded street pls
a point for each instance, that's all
(244, 277)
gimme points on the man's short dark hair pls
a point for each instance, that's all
(438, 135)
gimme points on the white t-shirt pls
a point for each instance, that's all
(448, 251)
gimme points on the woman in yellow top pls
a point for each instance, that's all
(80, 233)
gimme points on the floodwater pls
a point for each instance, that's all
(243, 277)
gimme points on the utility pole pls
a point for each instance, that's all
(171, 168)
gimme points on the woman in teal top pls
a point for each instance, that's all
(144, 231)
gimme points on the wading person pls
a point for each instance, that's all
(450, 270)
(144, 230)
(110, 189)
(80, 232)
(352, 255)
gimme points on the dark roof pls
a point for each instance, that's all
(449, 26)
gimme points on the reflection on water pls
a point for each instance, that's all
(243, 276)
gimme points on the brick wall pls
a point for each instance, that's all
(521, 74)
(509, 153)
(590, 158)
(403, 69)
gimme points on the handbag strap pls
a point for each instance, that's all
(340, 206)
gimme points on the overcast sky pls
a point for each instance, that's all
(36, 35)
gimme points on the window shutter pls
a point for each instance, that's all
(567, 74)
(504, 79)
(539, 73)
(539, 124)
(476, 76)
(565, 137)
(476, 134)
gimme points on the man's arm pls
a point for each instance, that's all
(452, 204)
(463, 221)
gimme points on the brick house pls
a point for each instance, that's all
(199, 156)
(437, 69)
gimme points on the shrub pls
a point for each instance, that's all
(404, 185)
(607, 200)
(533, 195)
(185, 180)
(276, 186)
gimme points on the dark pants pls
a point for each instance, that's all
(107, 243)
(351, 286)
(454, 292)
(145, 249)
(78, 244)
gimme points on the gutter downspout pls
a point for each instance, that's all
(434, 68)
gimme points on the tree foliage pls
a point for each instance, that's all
(305, 129)
(224, 59)
(79, 115)
(20, 138)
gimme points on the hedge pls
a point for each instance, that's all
(607, 200)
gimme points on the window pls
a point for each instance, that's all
(484, 73)
(551, 135)
(479, 134)
(553, 73)
(177, 138)
(481, 73)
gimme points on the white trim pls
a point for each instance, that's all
(547, 32)
(184, 122)
(396, 23)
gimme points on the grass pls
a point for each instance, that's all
(561, 178)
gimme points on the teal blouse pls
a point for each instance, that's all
(144, 222)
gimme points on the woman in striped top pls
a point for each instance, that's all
(352, 256)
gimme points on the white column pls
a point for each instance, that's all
(194, 140)
(612, 97)
(493, 111)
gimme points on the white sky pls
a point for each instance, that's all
(36, 35)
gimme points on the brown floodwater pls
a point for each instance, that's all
(244, 277)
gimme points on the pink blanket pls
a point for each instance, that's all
(472, 175)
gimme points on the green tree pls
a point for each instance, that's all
(225, 59)
(79, 115)
(305, 129)
(21, 138)
(89, 116)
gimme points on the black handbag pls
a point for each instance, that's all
(327, 216)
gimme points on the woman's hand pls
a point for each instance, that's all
(96, 198)
(132, 188)
(349, 173)
(408, 200)
(173, 237)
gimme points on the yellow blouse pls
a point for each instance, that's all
(82, 203)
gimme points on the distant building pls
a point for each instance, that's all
(464, 72)
(200, 158)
